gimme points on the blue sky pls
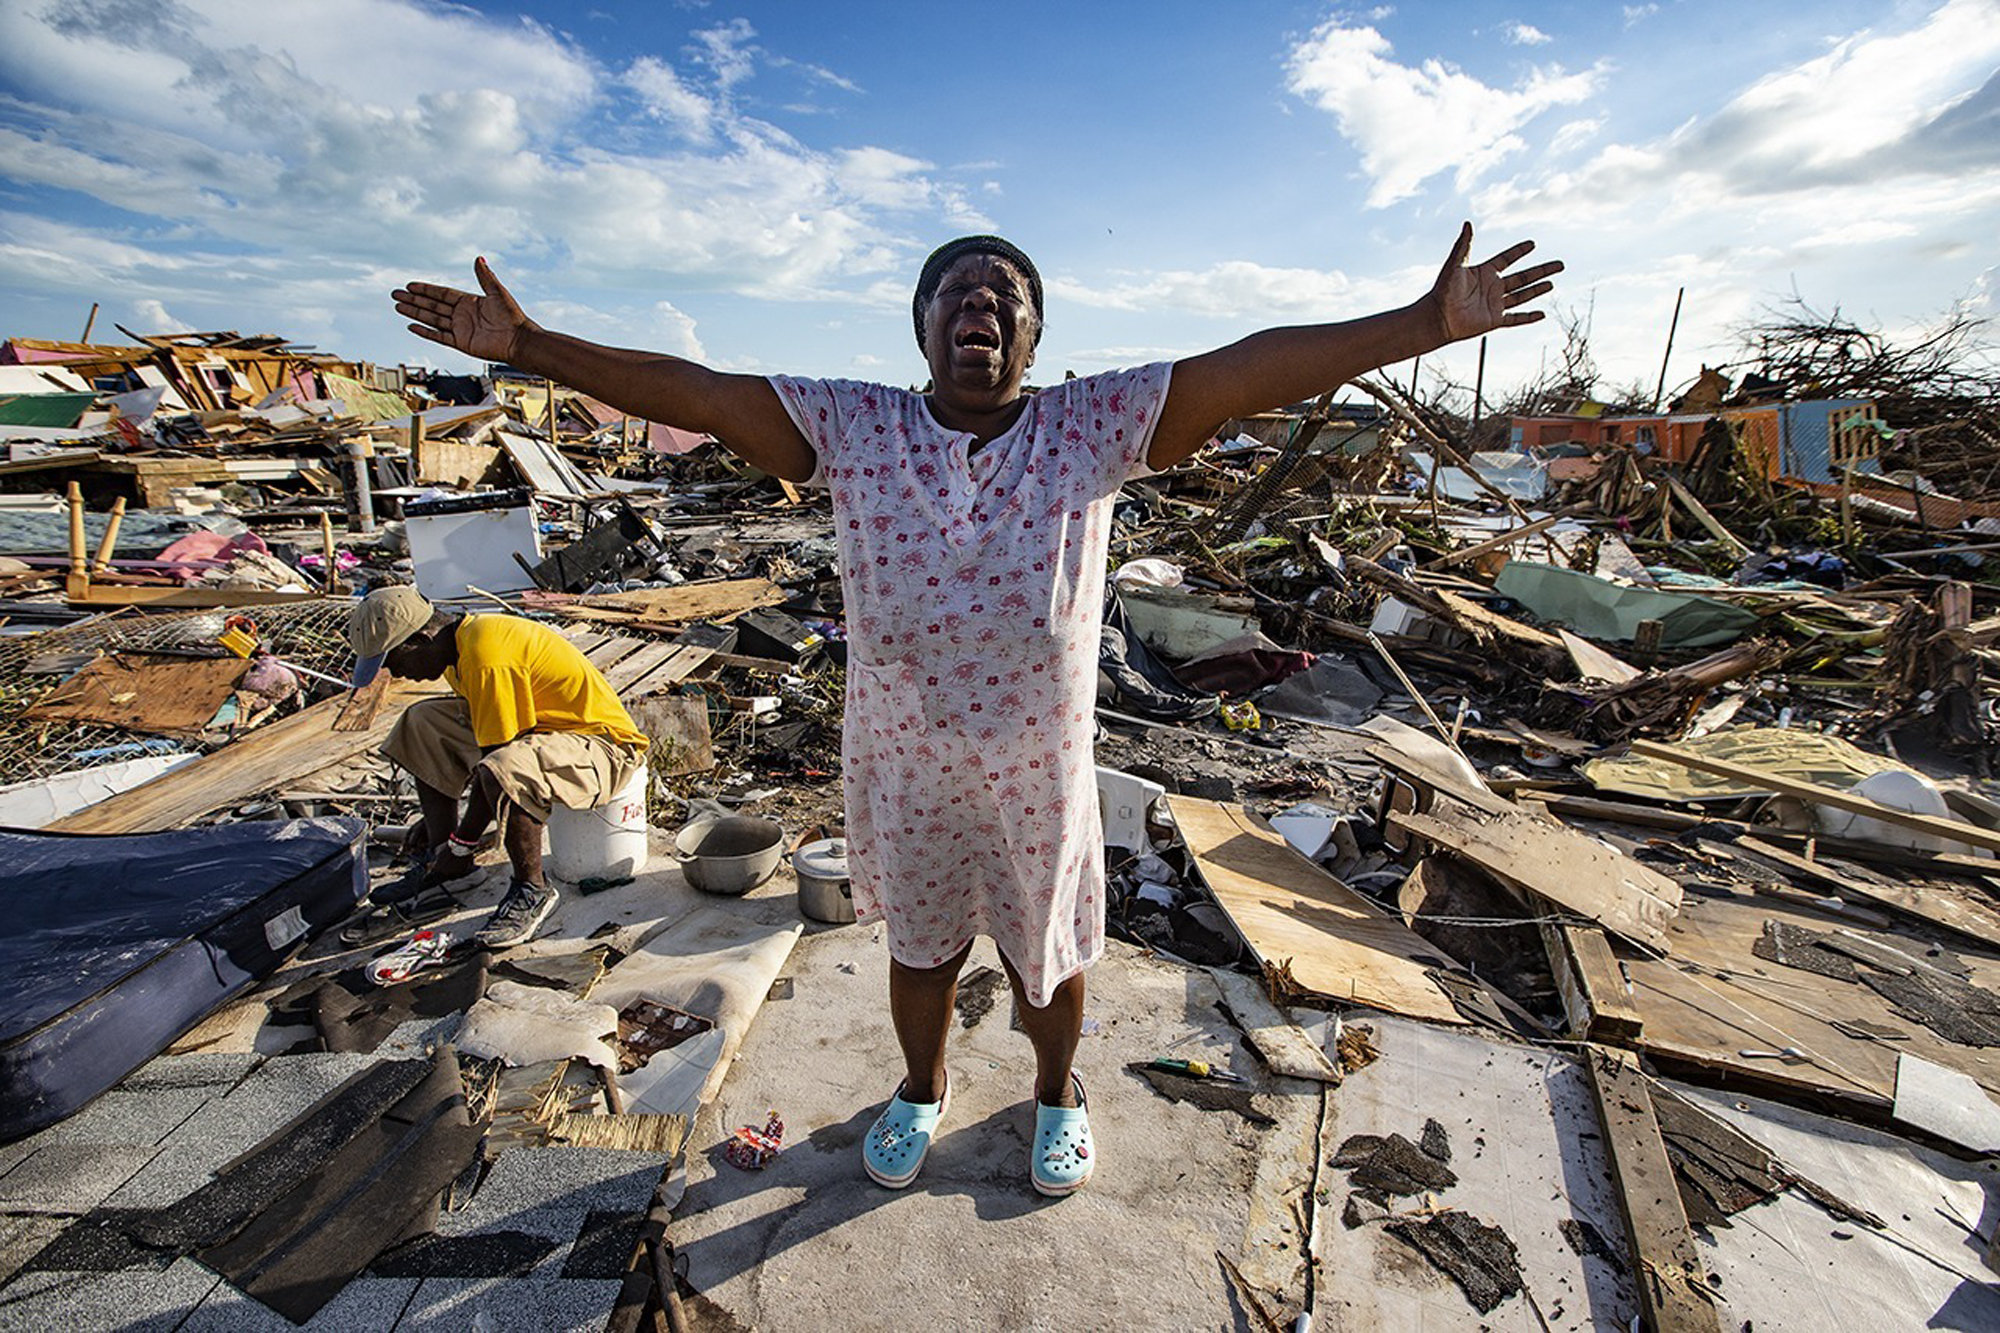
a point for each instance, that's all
(756, 184)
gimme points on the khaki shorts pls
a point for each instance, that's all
(433, 741)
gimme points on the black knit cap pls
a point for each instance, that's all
(942, 257)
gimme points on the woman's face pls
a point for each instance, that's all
(980, 326)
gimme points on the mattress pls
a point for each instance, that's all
(115, 945)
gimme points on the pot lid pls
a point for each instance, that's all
(826, 858)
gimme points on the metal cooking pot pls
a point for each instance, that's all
(824, 891)
(730, 854)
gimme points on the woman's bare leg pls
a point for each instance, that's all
(921, 1001)
(1054, 1031)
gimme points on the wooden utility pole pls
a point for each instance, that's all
(1660, 389)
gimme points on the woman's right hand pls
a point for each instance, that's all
(488, 325)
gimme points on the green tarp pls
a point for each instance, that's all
(1600, 609)
(58, 411)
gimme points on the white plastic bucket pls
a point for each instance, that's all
(608, 842)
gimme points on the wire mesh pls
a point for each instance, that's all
(310, 634)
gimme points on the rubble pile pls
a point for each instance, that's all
(1658, 743)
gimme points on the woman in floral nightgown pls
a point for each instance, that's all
(973, 522)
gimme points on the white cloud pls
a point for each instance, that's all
(1849, 120)
(1233, 290)
(310, 132)
(154, 318)
(1410, 123)
(1635, 14)
(1527, 34)
(667, 98)
(1574, 134)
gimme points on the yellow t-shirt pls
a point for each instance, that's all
(517, 676)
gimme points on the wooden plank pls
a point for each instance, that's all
(1701, 515)
(260, 762)
(1592, 988)
(1295, 916)
(115, 594)
(1965, 916)
(628, 670)
(1715, 999)
(687, 601)
(544, 469)
(685, 659)
(1477, 549)
(1968, 834)
(1558, 863)
(1658, 816)
(1593, 663)
(1672, 1294)
(452, 463)
(359, 708)
(614, 649)
(677, 726)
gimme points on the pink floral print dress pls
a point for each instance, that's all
(974, 585)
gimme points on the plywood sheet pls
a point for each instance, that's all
(1715, 999)
(1562, 865)
(159, 694)
(677, 725)
(1291, 912)
(689, 601)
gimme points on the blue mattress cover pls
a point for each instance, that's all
(79, 914)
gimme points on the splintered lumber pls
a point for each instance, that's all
(262, 761)
(1665, 1263)
(1969, 834)
(1293, 915)
(1561, 865)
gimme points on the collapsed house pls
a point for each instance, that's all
(1553, 885)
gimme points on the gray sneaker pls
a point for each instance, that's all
(518, 916)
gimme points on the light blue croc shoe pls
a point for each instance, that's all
(894, 1150)
(1064, 1154)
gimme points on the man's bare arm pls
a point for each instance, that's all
(1285, 365)
(743, 411)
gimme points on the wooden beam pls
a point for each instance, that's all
(1673, 1298)
(1508, 538)
(1701, 515)
(1969, 834)
(1655, 816)
(120, 594)
(1590, 983)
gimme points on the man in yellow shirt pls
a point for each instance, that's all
(529, 723)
